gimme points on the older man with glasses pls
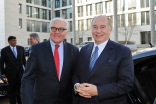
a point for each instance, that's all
(48, 75)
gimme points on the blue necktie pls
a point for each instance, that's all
(14, 52)
(94, 57)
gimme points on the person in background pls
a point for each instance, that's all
(48, 75)
(12, 68)
(105, 72)
(34, 38)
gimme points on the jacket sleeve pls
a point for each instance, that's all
(28, 79)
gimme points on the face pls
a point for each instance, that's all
(100, 29)
(56, 36)
(33, 40)
(12, 42)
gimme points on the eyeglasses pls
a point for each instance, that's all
(54, 29)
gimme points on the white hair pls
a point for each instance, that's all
(59, 19)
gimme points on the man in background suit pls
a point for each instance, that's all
(48, 75)
(105, 70)
(34, 38)
(12, 67)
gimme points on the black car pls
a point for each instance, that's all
(3, 84)
(26, 51)
(144, 91)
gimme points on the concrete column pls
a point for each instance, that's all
(73, 23)
(152, 22)
(115, 20)
(52, 8)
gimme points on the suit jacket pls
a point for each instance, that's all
(113, 74)
(10, 65)
(40, 84)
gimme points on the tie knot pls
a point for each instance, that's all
(57, 46)
(96, 48)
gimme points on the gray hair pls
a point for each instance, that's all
(109, 21)
(35, 36)
(59, 19)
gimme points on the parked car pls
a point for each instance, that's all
(26, 51)
(144, 91)
(3, 84)
(84, 43)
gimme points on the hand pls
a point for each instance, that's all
(82, 90)
(91, 89)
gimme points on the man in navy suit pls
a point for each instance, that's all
(105, 72)
(12, 67)
(48, 75)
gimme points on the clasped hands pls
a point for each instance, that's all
(86, 90)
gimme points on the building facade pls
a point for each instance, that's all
(133, 18)
(23, 17)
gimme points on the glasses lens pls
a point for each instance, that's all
(60, 29)
(53, 28)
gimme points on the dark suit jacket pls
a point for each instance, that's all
(10, 65)
(40, 84)
(113, 74)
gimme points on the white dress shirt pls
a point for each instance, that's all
(60, 50)
(100, 46)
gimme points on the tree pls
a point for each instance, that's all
(128, 31)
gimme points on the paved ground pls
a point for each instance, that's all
(4, 100)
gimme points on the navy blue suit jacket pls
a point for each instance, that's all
(40, 84)
(113, 74)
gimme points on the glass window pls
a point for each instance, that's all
(57, 13)
(44, 27)
(131, 4)
(131, 19)
(57, 3)
(70, 2)
(70, 12)
(89, 23)
(80, 25)
(49, 14)
(28, 1)
(98, 8)
(44, 14)
(70, 23)
(144, 3)
(49, 3)
(145, 37)
(64, 3)
(44, 3)
(64, 13)
(121, 20)
(89, 10)
(89, 38)
(20, 23)
(108, 6)
(37, 26)
(145, 20)
(120, 4)
(36, 2)
(29, 25)
(80, 11)
(20, 8)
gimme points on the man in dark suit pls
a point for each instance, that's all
(105, 72)
(12, 67)
(48, 75)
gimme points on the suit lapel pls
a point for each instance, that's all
(88, 55)
(9, 49)
(50, 58)
(108, 50)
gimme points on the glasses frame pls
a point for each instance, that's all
(59, 29)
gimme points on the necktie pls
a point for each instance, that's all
(94, 57)
(57, 60)
(13, 50)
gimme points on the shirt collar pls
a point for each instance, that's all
(53, 44)
(101, 46)
(12, 47)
